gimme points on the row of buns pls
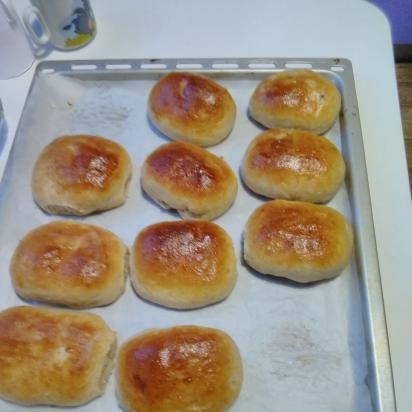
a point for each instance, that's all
(193, 108)
(65, 358)
(183, 264)
(82, 174)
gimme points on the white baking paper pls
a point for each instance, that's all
(303, 346)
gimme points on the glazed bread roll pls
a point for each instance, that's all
(50, 357)
(190, 179)
(184, 264)
(181, 369)
(70, 263)
(293, 164)
(297, 240)
(299, 99)
(81, 174)
(192, 108)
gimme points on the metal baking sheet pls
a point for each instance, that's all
(321, 347)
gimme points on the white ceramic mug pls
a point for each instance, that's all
(66, 24)
(16, 54)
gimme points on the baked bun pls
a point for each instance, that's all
(78, 175)
(50, 357)
(293, 164)
(299, 99)
(191, 108)
(297, 240)
(192, 180)
(183, 265)
(70, 263)
(181, 369)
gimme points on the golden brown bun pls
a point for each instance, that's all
(69, 263)
(184, 264)
(192, 180)
(181, 369)
(50, 357)
(297, 240)
(293, 164)
(299, 99)
(192, 108)
(78, 175)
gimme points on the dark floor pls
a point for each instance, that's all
(404, 75)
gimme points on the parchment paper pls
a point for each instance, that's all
(303, 347)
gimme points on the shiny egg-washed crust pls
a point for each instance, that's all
(50, 357)
(180, 369)
(192, 180)
(184, 264)
(69, 263)
(297, 240)
(299, 99)
(81, 174)
(191, 108)
(293, 164)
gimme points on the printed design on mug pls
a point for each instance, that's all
(80, 27)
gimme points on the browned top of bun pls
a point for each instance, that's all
(190, 97)
(291, 152)
(188, 169)
(191, 251)
(191, 104)
(80, 174)
(83, 162)
(83, 260)
(302, 99)
(52, 357)
(293, 164)
(185, 368)
(183, 264)
(294, 89)
(292, 233)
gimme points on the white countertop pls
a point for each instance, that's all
(352, 29)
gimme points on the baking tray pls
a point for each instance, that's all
(319, 347)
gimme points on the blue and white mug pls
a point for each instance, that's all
(65, 24)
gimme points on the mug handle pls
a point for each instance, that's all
(28, 13)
